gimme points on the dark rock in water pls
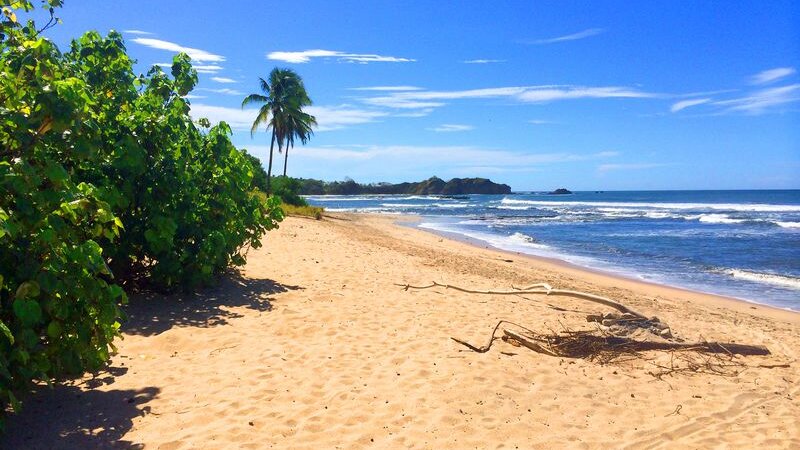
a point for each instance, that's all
(560, 191)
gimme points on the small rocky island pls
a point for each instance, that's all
(560, 191)
(431, 186)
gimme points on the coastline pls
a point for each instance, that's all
(613, 277)
(313, 345)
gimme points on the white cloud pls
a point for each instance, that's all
(206, 68)
(223, 80)
(450, 127)
(760, 102)
(387, 88)
(226, 91)
(306, 56)
(602, 168)
(328, 117)
(683, 104)
(395, 102)
(137, 32)
(570, 37)
(419, 113)
(337, 117)
(193, 97)
(532, 94)
(194, 53)
(484, 61)
(768, 76)
(541, 122)
(575, 92)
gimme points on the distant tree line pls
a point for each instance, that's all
(431, 186)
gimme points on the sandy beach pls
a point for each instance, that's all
(314, 346)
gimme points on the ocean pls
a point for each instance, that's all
(742, 244)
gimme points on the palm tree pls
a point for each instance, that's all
(283, 97)
(298, 125)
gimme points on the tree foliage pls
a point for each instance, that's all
(105, 182)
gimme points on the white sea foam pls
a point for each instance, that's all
(368, 210)
(516, 208)
(515, 242)
(339, 198)
(788, 224)
(404, 205)
(524, 239)
(744, 207)
(451, 205)
(718, 218)
(769, 278)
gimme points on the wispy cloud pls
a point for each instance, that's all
(762, 101)
(194, 53)
(451, 127)
(193, 96)
(328, 117)
(530, 94)
(540, 122)
(226, 91)
(387, 88)
(484, 61)
(401, 103)
(569, 37)
(603, 168)
(137, 32)
(306, 56)
(207, 68)
(419, 113)
(683, 104)
(223, 80)
(769, 76)
(577, 92)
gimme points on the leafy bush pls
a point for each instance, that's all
(288, 188)
(104, 182)
(259, 174)
(314, 212)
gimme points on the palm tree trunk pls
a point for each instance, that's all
(269, 167)
(286, 158)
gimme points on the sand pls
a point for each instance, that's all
(312, 346)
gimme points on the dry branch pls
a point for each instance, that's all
(598, 344)
(538, 288)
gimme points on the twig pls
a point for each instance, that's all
(492, 338)
(676, 412)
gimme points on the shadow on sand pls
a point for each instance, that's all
(68, 417)
(76, 415)
(150, 313)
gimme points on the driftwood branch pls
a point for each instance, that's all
(630, 345)
(538, 288)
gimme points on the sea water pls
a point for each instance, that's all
(743, 244)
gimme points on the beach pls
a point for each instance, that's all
(314, 345)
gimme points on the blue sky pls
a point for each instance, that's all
(585, 95)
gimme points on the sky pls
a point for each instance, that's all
(602, 95)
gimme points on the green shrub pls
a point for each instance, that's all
(306, 211)
(288, 188)
(105, 181)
